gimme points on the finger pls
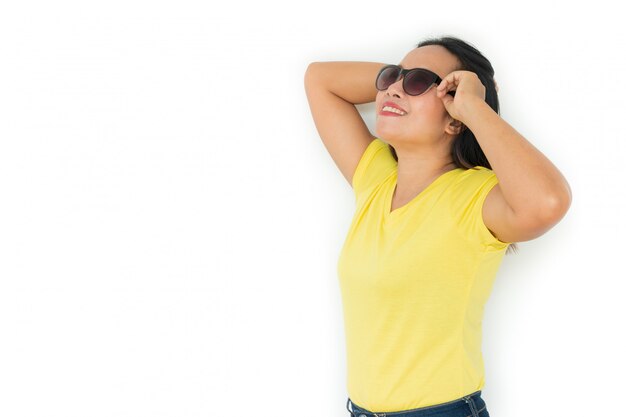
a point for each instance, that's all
(443, 85)
(447, 86)
(451, 79)
(446, 100)
(454, 75)
(444, 93)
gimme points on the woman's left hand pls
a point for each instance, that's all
(468, 91)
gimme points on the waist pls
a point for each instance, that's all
(468, 406)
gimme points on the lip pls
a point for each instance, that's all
(391, 104)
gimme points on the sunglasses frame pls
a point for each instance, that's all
(403, 74)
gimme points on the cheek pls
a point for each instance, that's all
(437, 104)
(432, 108)
(379, 98)
(427, 117)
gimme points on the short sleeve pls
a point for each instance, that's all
(375, 165)
(472, 192)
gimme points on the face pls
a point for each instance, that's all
(426, 119)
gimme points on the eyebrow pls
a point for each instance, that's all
(418, 67)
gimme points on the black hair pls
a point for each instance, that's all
(465, 150)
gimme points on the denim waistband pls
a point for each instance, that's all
(468, 406)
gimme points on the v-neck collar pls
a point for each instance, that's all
(394, 180)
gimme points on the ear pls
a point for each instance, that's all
(455, 127)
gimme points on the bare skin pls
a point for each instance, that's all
(422, 138)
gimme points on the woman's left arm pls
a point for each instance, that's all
(535, 191)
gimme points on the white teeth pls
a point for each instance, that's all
(393, 110)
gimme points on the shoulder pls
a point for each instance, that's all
(476, 173)
(474, 196)
(374, 165)
(471, 180)
(470, 187)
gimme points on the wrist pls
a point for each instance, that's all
(474, 111)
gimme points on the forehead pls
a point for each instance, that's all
(432, 57)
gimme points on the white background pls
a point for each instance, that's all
(170, 220)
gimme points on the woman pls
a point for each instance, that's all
(442, 191)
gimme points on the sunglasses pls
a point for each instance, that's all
(416, 80)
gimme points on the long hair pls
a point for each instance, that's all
(466, 152)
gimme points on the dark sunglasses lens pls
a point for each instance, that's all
(386, 77)
(417, 82)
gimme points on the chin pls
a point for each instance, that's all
(387, 134)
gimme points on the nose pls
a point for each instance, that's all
(396, 88)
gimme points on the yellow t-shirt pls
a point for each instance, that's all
(413, 284)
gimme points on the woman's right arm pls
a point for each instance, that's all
(333, 89)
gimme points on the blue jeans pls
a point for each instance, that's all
(471, 405)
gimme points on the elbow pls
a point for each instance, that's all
(310, 69)
(556, 207)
